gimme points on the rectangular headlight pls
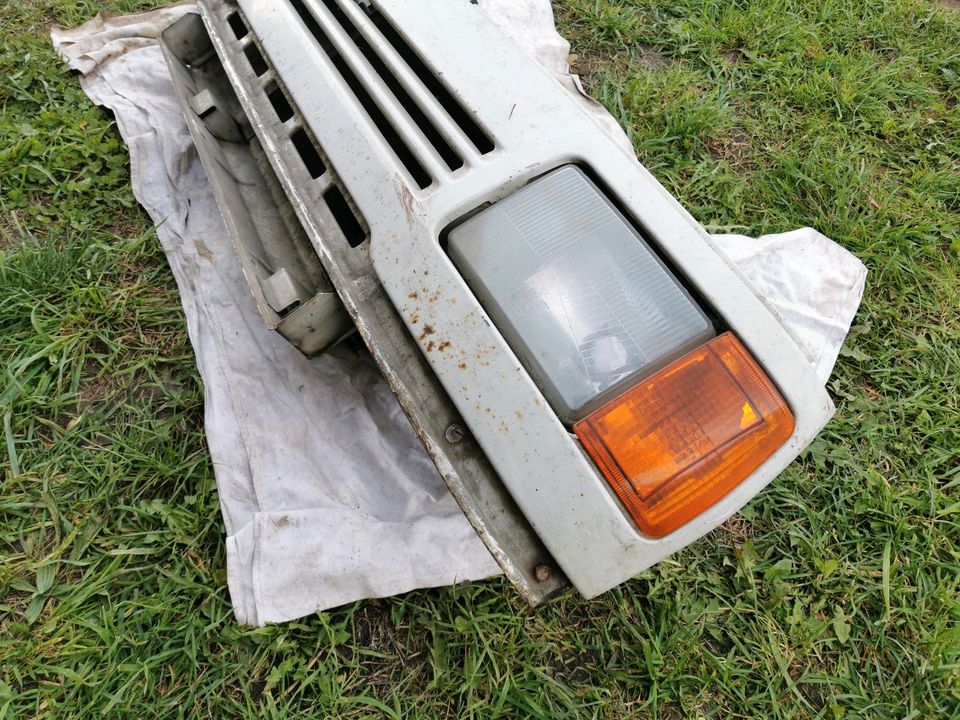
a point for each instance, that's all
(673, 417)
(576, 291)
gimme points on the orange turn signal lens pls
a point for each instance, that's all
(678, 442)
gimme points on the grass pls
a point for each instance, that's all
(835, 594)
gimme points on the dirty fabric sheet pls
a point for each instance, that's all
(327, 495)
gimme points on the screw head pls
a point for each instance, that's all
(542, 572)
(454, 433)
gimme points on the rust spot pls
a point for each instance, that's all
(430, 346)
(413, 295)
(519, 416)
(416, 318)
(427, 330)
(462, 366)
(444, 345)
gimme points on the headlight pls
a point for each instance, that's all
(673, 417)
(576, 291)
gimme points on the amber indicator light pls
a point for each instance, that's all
(678, 442)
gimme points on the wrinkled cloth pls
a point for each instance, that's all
(326, 493)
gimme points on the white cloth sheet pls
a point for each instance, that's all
(327, 496)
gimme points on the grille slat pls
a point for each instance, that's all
(428, 129)
(452, 107)
(355, 25)
(372, 99)
(445, 112)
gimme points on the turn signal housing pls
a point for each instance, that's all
(682, 439)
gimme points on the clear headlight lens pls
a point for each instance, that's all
(578, 294)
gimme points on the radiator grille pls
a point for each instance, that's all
(386, 128)
(454, 108)
(399, 68)
(341, 207)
